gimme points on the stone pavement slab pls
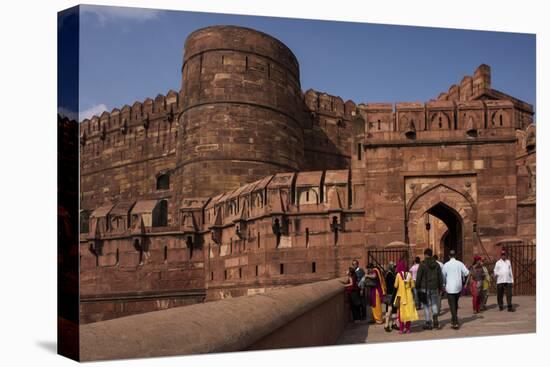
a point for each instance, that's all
(487, 323)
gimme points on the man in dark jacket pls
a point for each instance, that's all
(429, 282)
(360, 274)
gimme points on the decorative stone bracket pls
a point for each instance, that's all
(336, 225)
(240, 229)
(279, 226)
(96, 247)
(216, 234)
(336, 221)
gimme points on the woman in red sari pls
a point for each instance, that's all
(352, 290)
(476, 277)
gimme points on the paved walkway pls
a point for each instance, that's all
(486, 323)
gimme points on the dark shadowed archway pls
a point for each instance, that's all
(453, 237)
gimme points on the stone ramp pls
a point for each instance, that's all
(487, 323)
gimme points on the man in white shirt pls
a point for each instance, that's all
(454, 273)
(505, 281)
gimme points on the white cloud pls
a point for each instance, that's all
(94, 110)
(86, 114)
(106, 14)
(65, 112)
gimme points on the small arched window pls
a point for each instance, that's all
(163, 181)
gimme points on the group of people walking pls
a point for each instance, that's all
(405, 291)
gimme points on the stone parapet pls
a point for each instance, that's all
(250, 322)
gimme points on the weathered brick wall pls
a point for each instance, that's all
(126, 280)
(245, 255)
(122, 152)
(443, 150)
(526, 183)
(329, 127)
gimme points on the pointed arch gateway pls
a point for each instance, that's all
(455, 208)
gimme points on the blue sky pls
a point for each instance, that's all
(130, 54)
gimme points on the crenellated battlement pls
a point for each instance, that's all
(470, 87)
(479, 87)
(120, 120)
(443, 119)
(124, 151)
(326, 104)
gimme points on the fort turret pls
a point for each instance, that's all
(241, 115)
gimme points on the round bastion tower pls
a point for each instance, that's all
(241, 113)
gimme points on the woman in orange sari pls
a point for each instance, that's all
(377, 291)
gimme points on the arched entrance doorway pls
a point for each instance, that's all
(456, 212)
(452, 237)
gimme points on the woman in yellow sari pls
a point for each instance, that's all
(404, 299)
(376, 292)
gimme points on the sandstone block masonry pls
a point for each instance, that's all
(240, 183)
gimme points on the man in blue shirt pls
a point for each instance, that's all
(454, 272)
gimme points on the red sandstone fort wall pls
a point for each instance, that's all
(270, 187)
(123, 152)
